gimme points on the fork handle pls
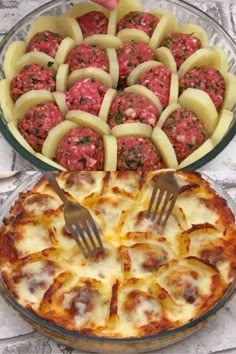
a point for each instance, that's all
(53, 182)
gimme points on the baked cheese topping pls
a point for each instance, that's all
(148, 280)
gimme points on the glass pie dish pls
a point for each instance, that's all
(105, 344)
(184, 12)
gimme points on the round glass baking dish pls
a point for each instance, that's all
(110, 345)
(185, 13)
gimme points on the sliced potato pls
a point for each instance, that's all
(165, 56)
(224, 122)
(14, 52)
(104, 40)
(112, 24)
(36, 58)
(64, 49)
(19, 138)
(29, 100)
(92, 73)
(60, 99)
(197, 154)
(68, 27)
(131, 34)
(124, 7)
(141, 90)
(159, 12)
(203, 56)
(113, 66)
(140, 69)
(220, 60)
(164, 146)
(62, 77)
(165, 26)
(50, 162)
(166, 113)
(132, 129)
(106, 104)
(110, 147)
(195, 30)
(200, 103)
(230, 91)
(54, 137)
(82, 118)
(174, 88)
(41, 24)
(84, 8)
(6, 101)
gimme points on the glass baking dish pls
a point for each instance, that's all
(185, 13)
(102, 344)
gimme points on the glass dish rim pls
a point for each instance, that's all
(54, 329)
(41, 165)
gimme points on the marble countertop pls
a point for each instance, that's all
(11, 11)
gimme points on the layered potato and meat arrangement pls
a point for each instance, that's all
(127, 89)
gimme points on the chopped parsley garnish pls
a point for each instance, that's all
(83, 100)
(50, 64)
(42, 38)
(118, 117)
(85, 139)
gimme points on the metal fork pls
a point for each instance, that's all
(163, 197)
(79, 221)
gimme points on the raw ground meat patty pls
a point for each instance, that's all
(81, 149)
(32, 77)
(130, 107)
(38, 121)
(185, 131)
(181, 46)
(139, 20)
(46, 42)
(93, 22)
(139, 154)
(158, 80)
(207, 79)
(86, 95)
(131, 55)
(87, 55)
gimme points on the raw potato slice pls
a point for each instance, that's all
(203, 56)
(50, 162)
(141, 90)
(164, 146)
(60, 99)
(132, 129)
(113, 66)
(224, 122)
(62, 77)
(196, 31)
(221, 61)
(64, 49)
(6, 101)
(165, 56)
(165, 26)
(92, 73)
(140, 69)
(131, 34)
(112, 24)
(19, 138)
(230, 91)
(166, 113)
(197, 154)
(14, 52)
(88, 120)
(54, 137)
(29, 100)
(68, 27)
(106, 104)
(110, 147)
(159, 12)
(200, 103)
(124, 7)
(37, 58)
(84, 8)
(174, 88)
(42, 23)
(104, 40)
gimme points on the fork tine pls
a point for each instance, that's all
(167, 198)
(80, 234)
(154, 192)
(86, 225)
(161, 193)
(96, 232)
(76, 238)
(174, 197)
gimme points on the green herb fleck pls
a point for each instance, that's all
(50, 64)
(85, 139)
(118, 117)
